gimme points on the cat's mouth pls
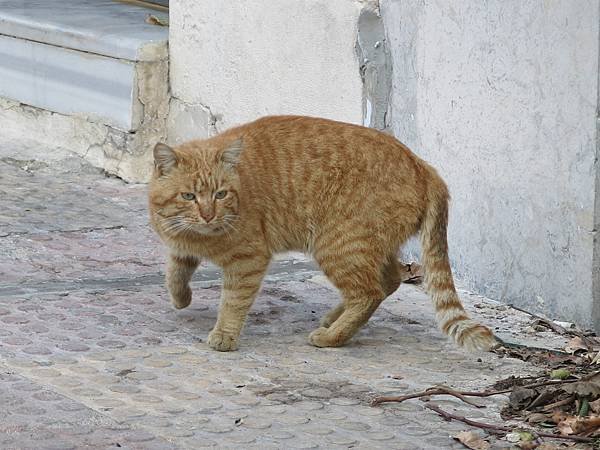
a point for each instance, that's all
(209, 230)
(215, 230)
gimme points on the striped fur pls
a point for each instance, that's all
(348, 195)
(450, 313)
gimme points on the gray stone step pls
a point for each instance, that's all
(78, 57)
(89, 77)
(104, 27)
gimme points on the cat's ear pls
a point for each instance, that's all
(231, 155)
(164, 158)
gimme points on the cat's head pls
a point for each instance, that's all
(195, 188)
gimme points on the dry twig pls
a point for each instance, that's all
(558, 404)
(443, 390)
(515, 346)
(440, 390)
(550, 324)
(558, 328)
(497, 429)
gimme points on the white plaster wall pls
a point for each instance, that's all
(501, 97)
(243, 60)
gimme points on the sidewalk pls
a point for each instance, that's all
(93, 355)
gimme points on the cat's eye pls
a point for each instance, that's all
(188, 196)
(220, 195)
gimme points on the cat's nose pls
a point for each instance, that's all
(207, 216)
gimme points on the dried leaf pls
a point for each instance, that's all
(576, 344)
(537, 417)
(412, 273)
(472, 440)
(558, 416)
(566, 425)
(520, 397)
(154, 20)
(592, 341)
(577, 425)
(536, 356)
(595, 406)
(587, 424)
(584, 388)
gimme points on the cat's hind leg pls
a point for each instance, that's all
(391, 280)
(354, 267)
(391, 275)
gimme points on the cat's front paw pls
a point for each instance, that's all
(181, 297)
(220, 341)
(318, 338)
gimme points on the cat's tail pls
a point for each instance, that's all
(451, 315)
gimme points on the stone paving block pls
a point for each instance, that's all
(164, 380)
(36, 417)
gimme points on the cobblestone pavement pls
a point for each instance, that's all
(92, 354)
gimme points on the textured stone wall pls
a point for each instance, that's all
(232, 62)
(501, 97)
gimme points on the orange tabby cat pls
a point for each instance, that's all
(348, 195)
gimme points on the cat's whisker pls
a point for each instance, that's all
(231, 226)
(177, 225)
(188, 228)
(228, 226)
(227, 231)
(170, 223)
